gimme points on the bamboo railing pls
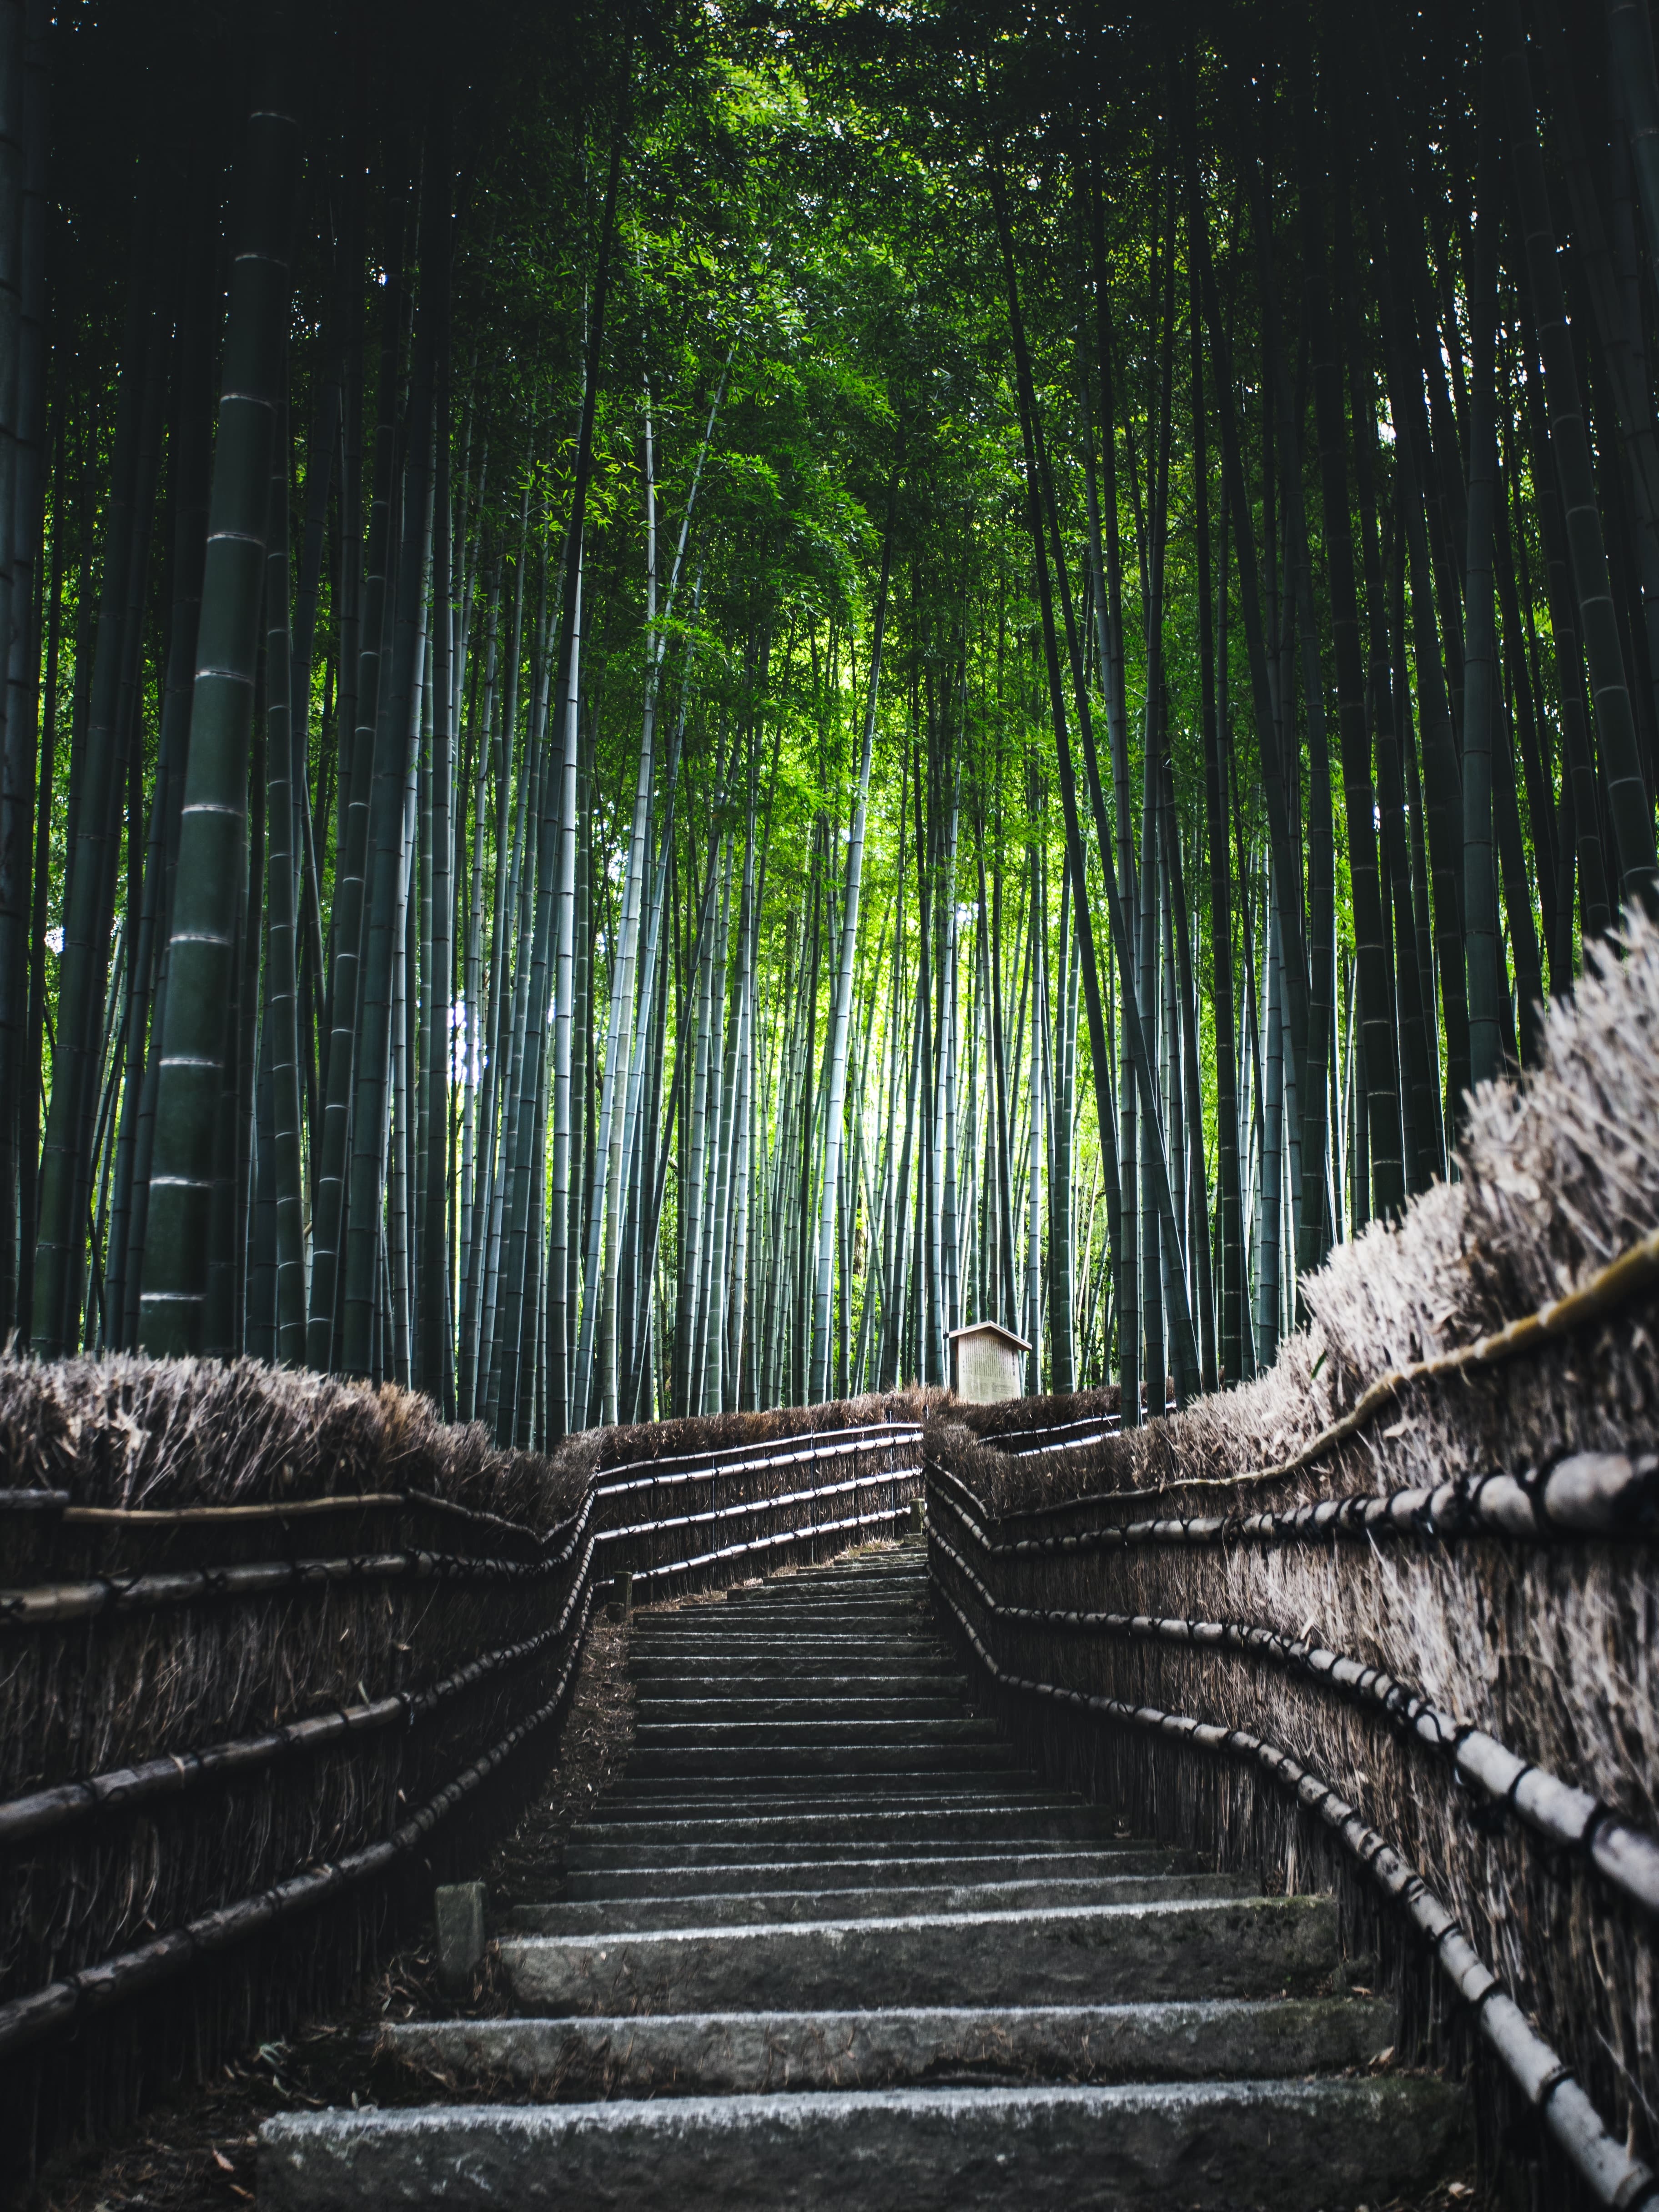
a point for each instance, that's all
(331, 1802)
(1009, 1588)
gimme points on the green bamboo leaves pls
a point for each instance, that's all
(477, 963)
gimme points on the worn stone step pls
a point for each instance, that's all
(1293, 2146)
(698, 1797)
(895, 1624)
(864, 1595)
(898, 1620)
(750, 1826)
(908, 1579)
(812, 1867)
(801, 1904)
(902, 1569)
(893, 1616)
(799, 1642)
(808, 1794)
(915, 1637)
(827, 1590)
(929, 1681)
(825, 1677)
(855, 1593)
(663, 1706)
(736, 2054)
(1238, 1947)
(791, 1658)
(752, 1834)
(911, 1600)
(1015, 1782)
(900, 1831)
(827, 1659)
(918, 1637)
(808, 1726)
(898, 1784)
(791, 1756)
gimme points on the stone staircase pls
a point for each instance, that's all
(824, 1944)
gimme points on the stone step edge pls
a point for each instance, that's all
(1054, 1918)
(881, 2147)
(998, 1897)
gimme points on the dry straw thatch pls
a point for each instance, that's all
(1552, 1649)
(86, 1697)
(712, 1432)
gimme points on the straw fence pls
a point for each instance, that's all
(277, 1652)
(1387, 1621)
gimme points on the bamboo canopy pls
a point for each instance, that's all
(691, 700)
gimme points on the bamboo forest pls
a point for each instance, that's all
(696, 692)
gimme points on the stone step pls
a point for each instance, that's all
(802, 1640)
(824, 1589)
(805, 1793)
(809, 1726)
(909, 1596)
(785, 1788)
(896, 1615)
(902, 1559)
(917, 1637)
(900, 1831)
(898, 1618)
(753, 1824)
(901, 1566)
(750, 1820)
(793, 1655)
(827, 1678)
(911, 1633)
(810, 1868)
(790, 1756)
(696, 1704)
(641, 1915)
(1291, 2145)
(1247, 1946)
(656, 1679)
(857, 1594)
(738, 2054)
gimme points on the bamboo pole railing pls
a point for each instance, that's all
(1580, 1496)
(833, 1488)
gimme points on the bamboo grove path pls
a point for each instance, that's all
(823, 1943)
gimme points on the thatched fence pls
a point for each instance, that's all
(1388, 1619)
(277, 1652)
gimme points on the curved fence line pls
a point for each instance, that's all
(1625, 1856)
(129, 1788)
(1615, 2177)
(1583, 1494)
(44, 1604)
(61, 2005)
(809, 1443)
(877, 1495)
